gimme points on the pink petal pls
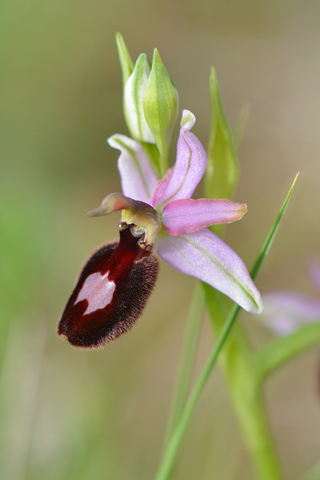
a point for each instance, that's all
(185, 216)
(285, 311)
(138, 179)
(205, 256)
(189, 168)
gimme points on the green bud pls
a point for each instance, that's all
(133, 94)
(126, 62)
(222, 168)
(160, 105)
(127, 66)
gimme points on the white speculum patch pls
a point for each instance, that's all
(97, 290)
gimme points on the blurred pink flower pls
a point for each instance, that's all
(287, 310)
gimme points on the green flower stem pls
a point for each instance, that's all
(152, 153)
(282, 349)
(163, 163)
(244, 390)
(242, 373)
(251, 414)
(187, 358)
(183, 420)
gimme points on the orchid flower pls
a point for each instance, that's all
(157, 215)
(285, 311)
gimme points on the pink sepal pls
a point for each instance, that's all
(138, 180)
(205, 256)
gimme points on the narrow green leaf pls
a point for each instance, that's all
(222, 168)
(270, 237)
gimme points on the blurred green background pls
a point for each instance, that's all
(68, 414)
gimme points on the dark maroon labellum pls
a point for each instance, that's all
(111, 292)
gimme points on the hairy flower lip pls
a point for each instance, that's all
(110, 294)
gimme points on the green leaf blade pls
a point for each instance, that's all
(270, 237)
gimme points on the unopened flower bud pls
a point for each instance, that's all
(160, 104)
(133, 93)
